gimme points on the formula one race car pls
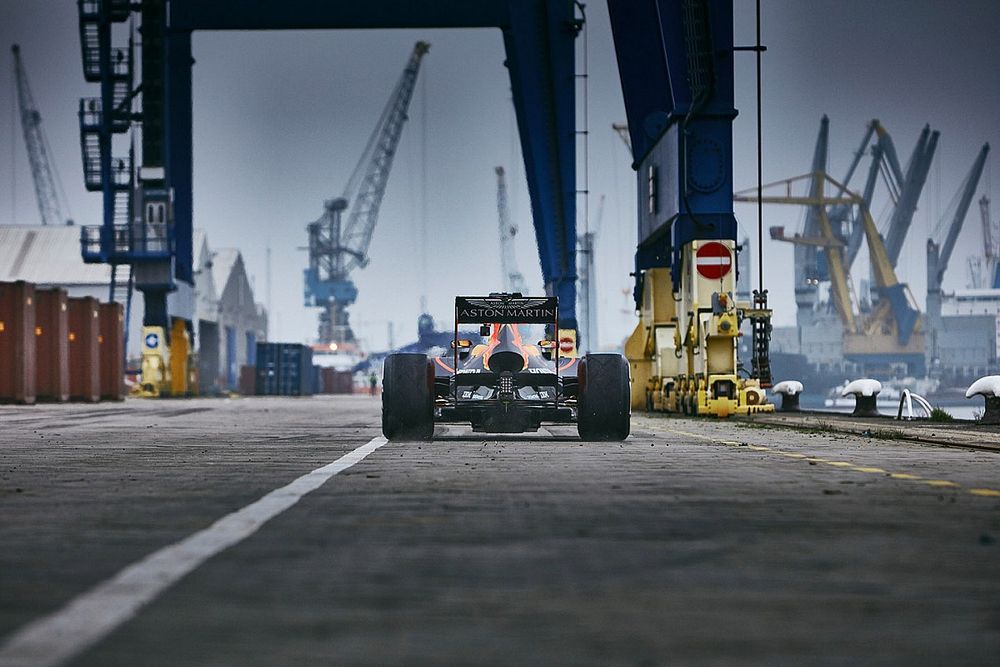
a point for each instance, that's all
(502, 383)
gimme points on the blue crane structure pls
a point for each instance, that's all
(539, 38)
(338, 247)
(675, 60)
(48, 190)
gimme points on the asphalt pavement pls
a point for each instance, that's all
(281, 531)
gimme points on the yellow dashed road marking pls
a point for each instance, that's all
(938, 483)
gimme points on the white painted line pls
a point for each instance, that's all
(93, 615)
(714, 261)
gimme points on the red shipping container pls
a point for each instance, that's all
(17, 342)
(333, 381)
(84, 350)
(112, 350)
(52, 344)
(326, 380)
(248, 380)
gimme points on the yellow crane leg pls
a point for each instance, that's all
(180, 350)
(650, 348)
(711, 385)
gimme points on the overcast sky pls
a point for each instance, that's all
(280, 119)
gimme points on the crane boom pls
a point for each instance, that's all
(46, 181)
(912, 185)
(337, 247)
(968, 191)
(513, 280)
(357, 234)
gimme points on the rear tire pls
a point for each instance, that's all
(407, 399)
(604, 406)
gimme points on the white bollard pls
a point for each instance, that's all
(789, 391)
(989, 388)
(865, 392)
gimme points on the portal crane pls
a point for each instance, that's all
(892, 330)
(48, 188)
(909, 194)
(885, 163)
(939, 251)
(336, 248)
(513, 280)
(986, 269)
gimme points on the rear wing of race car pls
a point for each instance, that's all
(506, 309)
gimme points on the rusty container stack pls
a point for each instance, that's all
(111, 340)
(52, 344)
(84, 350)
(17, 342)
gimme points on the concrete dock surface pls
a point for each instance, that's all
(280, 531)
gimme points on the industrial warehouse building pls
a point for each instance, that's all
(229, 321)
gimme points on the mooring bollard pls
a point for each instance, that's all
(989, 388)
(789, 391)
(865, 392)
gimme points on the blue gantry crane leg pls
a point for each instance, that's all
(539, 37)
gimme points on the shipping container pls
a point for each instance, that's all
(284, 369)
(52, 344)
(248, 380)
(17, 342)
(84, 350)
(111, 339)
(333, 381)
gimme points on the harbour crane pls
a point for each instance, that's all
(337, 246)
(48, 188)
(513, 280)
(988, 266)
(892, 331)
(939, 250)
(985, 269)
(885, 163)
(909, 194)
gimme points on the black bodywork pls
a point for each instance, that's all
(505, 382)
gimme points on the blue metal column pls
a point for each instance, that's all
(179, 150)
(541, 61)
(674, 83)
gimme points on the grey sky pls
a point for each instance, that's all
(281, 118)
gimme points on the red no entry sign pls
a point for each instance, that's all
(713, 260)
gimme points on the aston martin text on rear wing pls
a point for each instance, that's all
(506, 310)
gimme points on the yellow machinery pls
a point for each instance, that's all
(167, 369)
(155, 376)
(682, 353)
